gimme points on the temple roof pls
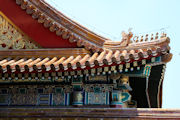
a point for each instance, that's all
(99, 50)
(79, 49)
(79, 58)
(70, 34)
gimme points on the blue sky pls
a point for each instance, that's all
(110, 17)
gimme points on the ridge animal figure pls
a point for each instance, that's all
(126, 40)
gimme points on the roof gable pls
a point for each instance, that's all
(63, 32)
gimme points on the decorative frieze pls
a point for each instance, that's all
(45, 95)
(75, 91)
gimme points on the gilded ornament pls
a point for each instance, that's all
(11, 37)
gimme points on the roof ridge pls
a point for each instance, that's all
(63, 26)
(69, 29)
(74, 22)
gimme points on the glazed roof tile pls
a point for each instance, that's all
(103, 51)
(76, 60)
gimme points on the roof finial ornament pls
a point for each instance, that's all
(126, 37)
(126, 40)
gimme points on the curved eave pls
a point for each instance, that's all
(75, 24)
(63, 26)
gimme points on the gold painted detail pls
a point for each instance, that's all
(11, 37)
(113, 68)
(98, 78)
(120, 67)
(106, 69)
